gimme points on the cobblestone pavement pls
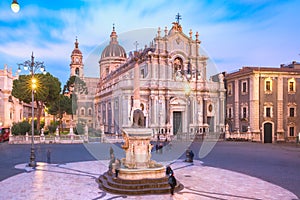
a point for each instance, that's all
(77, 181)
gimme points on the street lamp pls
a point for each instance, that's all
(32, 66)
(15, 7)
(187, 91)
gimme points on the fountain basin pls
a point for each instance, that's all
(138, 174)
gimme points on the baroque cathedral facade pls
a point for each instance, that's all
(167, 80)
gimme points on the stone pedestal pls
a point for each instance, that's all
(137, 147)
(137, 163)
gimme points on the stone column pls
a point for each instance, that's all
(205, 125)
(200, 117)
(222, 110)
(236, 105)
(254, 104)
(168, 109)
(280, 131)
(125, 112)
(205, 111)
(152, 110)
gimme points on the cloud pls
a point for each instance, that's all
(234, 33)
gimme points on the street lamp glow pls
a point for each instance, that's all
(34, 85)
(32, 66)
(15, 7)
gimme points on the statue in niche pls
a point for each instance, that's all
(178, 69)
(138, 118)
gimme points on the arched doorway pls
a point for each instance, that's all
(268, 133)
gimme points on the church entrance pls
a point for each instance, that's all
(177, 122)
(211, 123)
(267, 133)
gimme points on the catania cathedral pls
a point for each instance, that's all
(167, 80)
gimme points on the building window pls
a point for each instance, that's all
(291, 131)
(292, 85)
(244, 112)
(90, 112)
(268, 112)
(10, 99)
(244, 87)
(244, 128)
(268, 85)
(82, 111)
(292, 112)
(229, 89)
(229, 112)
(77, 71)
(142, 73)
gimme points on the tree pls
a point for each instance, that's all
(75, 87)
(20, 128)
(63, 105)
(75, 84)
(46, 92)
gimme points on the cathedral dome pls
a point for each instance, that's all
(113, 49)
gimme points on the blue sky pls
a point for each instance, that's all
(233, 33)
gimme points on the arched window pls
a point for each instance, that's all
(82, 111)
(77, 71)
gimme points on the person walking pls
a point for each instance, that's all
(169, 170)
(172, 182)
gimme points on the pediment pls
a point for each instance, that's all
(178, 101)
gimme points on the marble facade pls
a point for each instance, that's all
(175, 95)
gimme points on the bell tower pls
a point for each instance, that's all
(76, 65)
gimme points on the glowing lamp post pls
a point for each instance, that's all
(32, 67)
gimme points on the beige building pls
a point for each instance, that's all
(264, 102)
(166, 80)
(11, 110)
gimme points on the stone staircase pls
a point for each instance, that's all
(109, 183)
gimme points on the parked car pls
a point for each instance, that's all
(4, 134)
